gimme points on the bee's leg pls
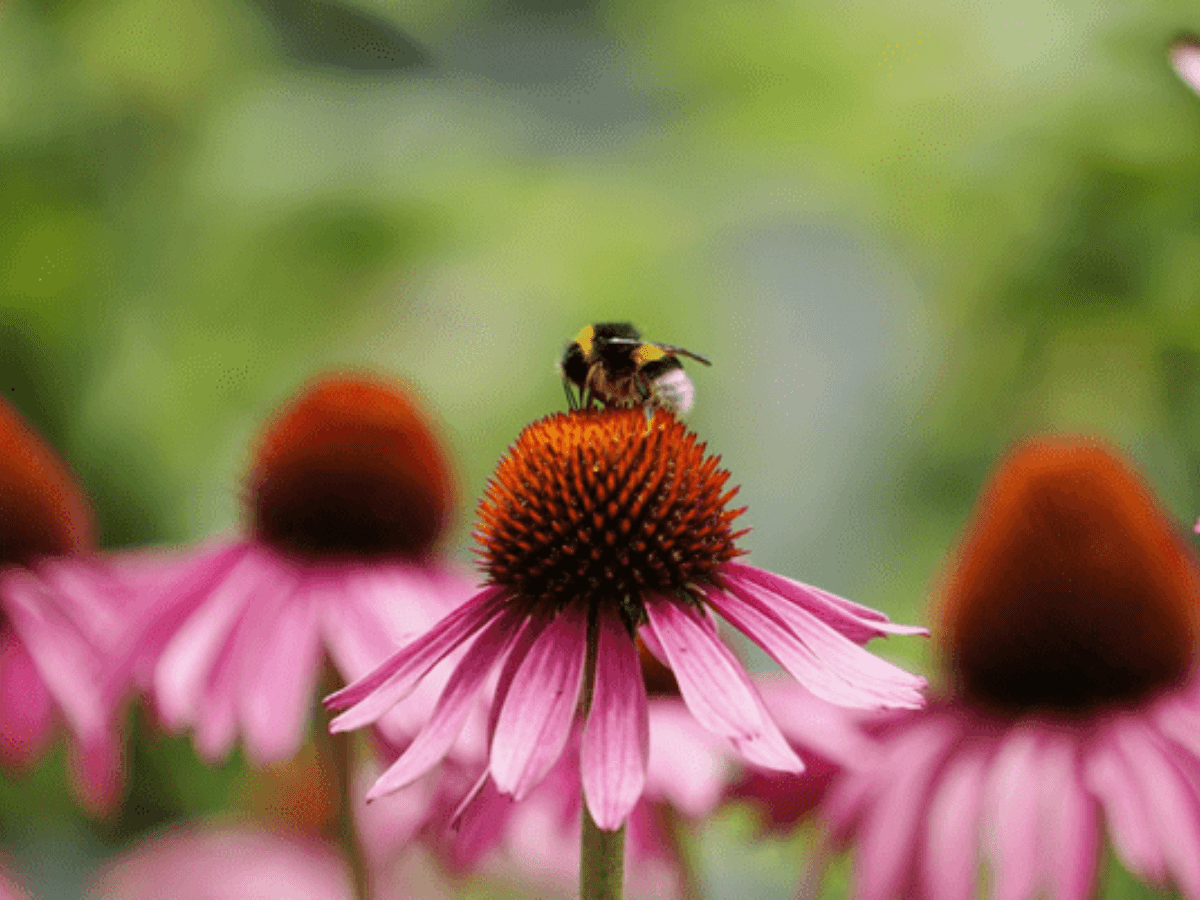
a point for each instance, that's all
(571, 402)
(588, 395)
(645, 395)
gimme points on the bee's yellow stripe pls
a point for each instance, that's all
(585, 341)
(646, 353)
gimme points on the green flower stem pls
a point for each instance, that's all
(341, 755)
(602, 853)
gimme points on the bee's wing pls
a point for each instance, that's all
(681, 351)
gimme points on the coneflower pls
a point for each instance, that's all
(61, 608)
(1068, 628)
(599, 527)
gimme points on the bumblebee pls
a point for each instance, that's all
(610, 363)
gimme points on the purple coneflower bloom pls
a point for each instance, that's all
(60, 615)
(613, 523)
(348, 493)
(1068, 625)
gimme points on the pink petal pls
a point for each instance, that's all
(456, 702)
(279, 672)
(810, 724)
(393, 679)
(952, 837)
(616, 738)
(886, 858)
(1185, 57)
(828, 664)
(98, 773)
(1070, 844)
(1013, 799)
(235, 863)
(184, 668)
(166, 588)
(688, 766)
(215, 716)
(26, 708)
(67, 664)
(1169, 801)
(715, 687)
(1110, 780)
(535, 721)
(852, 620)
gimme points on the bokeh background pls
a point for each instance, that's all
(906, 233)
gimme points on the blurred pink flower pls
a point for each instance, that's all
(226, 863)
(1069, 626)
(615, 520)
(348, 493)
(1185, 57)
(61, 609)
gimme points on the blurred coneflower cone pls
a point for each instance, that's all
(1067, 628)
(60, 613)
(616, 520)
(348, 493)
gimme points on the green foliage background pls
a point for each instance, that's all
(906, 233)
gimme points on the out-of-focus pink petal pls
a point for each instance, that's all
(186, 664)
(688, 765)
(1107, 776)
(1071, 840)
(1169, 800)
(951, 851)
(833, 732)
(279, 668)
(384, 828)
(226, 864)
(888, 839)
(98, 773)
(1013, 798)
(26, 709)
(850, 619)
(827, 663)
(616, 738)
(535, 721)
(434, 740)
(393, 679)
(67, 664)
(1185, 57)
(715, 687)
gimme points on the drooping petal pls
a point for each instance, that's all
(1169, 800)
(434, 740)
(26, 708)
(535, 722)
(616, 738)
(279, 676)
(67, 664)
(534, 626)
(1013, 799)
(1071, 839)
(182, 671)
(852, 620)
(890, 829)
(951, 850)
(393, 679)
(715, 687)
(98, 773)
(828, 664)
(1108, 777)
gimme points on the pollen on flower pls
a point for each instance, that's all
(1071, 589)
(43, 511)
(606, 505)
(350, 468)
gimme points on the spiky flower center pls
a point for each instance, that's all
(350, 468)
(606, 505)
(43, 511)
(1072, 589)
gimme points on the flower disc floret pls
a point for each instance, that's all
(350, 468)
(606, 505)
